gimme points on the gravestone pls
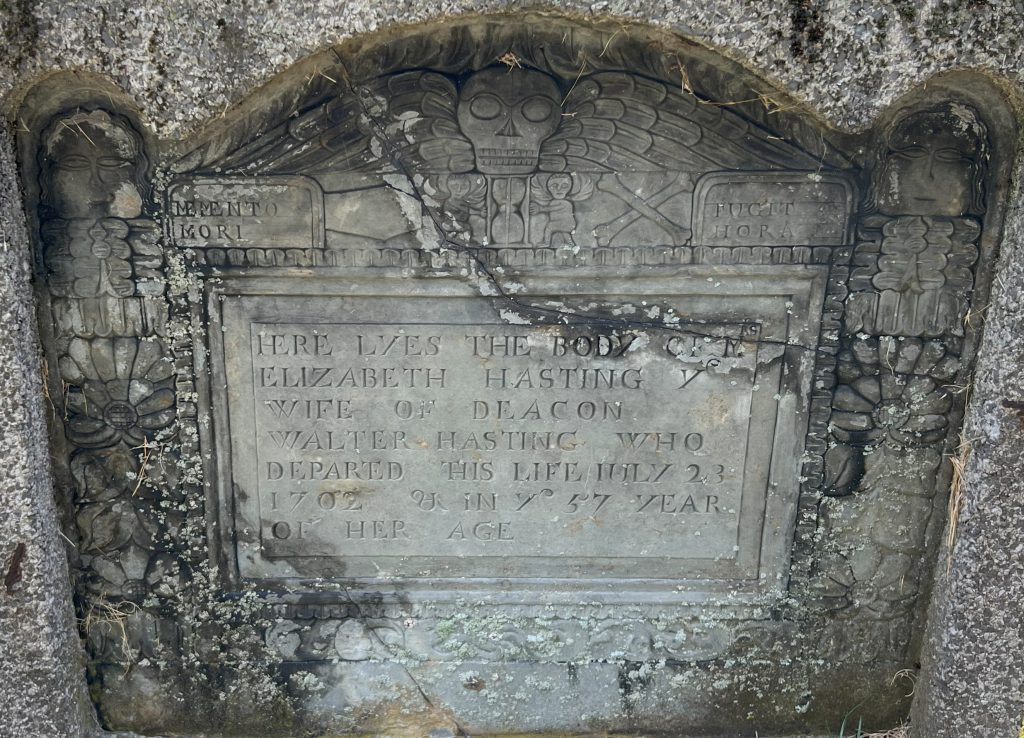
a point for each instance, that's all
(506, 375)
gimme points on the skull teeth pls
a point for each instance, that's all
(509, 157)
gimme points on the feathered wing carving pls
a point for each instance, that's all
(615, 122)
(329, 131)
(610, 122)
(407, 118)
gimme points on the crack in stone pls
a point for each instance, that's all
(397, 661)
(481, 270)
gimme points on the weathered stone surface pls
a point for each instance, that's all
(112, 307)
(971, 640)
(43, 691)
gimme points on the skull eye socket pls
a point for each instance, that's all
(486, 106)
(537, 109)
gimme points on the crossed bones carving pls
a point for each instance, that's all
(641, 208)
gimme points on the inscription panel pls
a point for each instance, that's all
(772, 209)
(426, 438)
(238, 212)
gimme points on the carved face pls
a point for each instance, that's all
(458, 185)
(507, 114)
(930, 166)
(90, 164)
(559, 185)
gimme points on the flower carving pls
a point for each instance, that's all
(117, 526)
(892, 390)
(110, 515)
(121, 389)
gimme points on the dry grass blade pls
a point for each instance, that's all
(609, 42)
(112, 617)
(510, 60)
(901, 732)
(956, 496)
(684, 78)
(910, 676)
(46, 388)
(318, 72)
(147, 449)
(79, 130)
(583, 68)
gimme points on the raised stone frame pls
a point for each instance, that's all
(144, 304)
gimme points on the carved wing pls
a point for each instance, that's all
(619, 122)
(404, 122)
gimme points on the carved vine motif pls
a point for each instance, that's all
(104, 262)
(889, 424)
(495, 637)
(893, 392)
(910, 286)
(353, 639)
(116, 528)
(875, 556)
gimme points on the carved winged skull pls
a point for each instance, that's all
(504, 121)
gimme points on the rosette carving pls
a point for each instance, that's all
(120, 390)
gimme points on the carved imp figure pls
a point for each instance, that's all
(507, 125)
(92, 180)
(463, 206)
(553, 198)
(93, 167)
(928, 186)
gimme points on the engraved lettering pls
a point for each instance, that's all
(596, 345)
(427, 500)
(487, 346)
(535, 410)
(408, 442)
(564, 378)
(401, 345)
(479, 501)
(640, 441)
(473, 471)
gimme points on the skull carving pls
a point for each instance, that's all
(507, 114)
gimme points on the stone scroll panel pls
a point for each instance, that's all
(283, 212)
(769, 209)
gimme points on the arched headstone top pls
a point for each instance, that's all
(567, 52)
